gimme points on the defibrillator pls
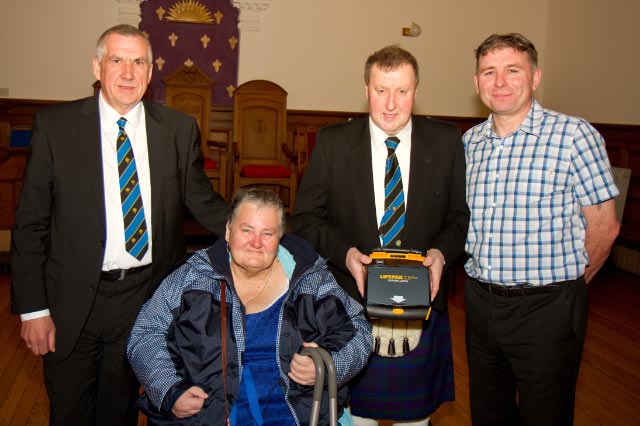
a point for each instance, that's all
(397, 285)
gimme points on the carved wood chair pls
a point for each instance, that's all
(305, 140)
(260, 152)
(188, 89)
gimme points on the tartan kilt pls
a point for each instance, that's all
(410, 387)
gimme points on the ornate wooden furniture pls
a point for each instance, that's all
(305, 140)
(188, 89)
(260, 152)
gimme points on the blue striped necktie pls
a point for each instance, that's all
(135, 226)
(394, 209)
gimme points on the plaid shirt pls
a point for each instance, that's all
(525, 192)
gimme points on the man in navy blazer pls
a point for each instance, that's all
(339, 208)
(74, 284)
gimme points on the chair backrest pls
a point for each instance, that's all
(16, 136)
(260, 123)
(305, 140)
(20, 136)
(188, 89)
(622, 177)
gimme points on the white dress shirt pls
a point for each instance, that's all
(379, 160)
(116, 255)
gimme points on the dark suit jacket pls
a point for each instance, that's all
(59, 237)
(335, 206)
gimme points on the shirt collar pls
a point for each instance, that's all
(109, 117)
(533, 121)
(287, 261)
(531, 124)
(378, 136)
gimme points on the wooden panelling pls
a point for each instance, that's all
(623, 147)
(21, 111)
(12, 163)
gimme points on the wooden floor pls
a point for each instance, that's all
(608, 388)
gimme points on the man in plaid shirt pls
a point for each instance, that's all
(541, 195)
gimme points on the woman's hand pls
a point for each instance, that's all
(189, 403)
(303, 369)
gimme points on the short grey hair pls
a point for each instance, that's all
(126, 31)
(260, 197)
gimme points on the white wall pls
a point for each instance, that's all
(315, 49)
(47, 46)
(593, 60)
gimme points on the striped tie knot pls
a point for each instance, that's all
(391, 143)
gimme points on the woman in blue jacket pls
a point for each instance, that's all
(279, 297)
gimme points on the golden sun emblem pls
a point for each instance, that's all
(191, 11)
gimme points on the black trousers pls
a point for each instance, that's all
(524, 354)
(95, 384)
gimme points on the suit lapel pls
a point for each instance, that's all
(362, 177)
(156, 142)
(89, 140)
(422, 165)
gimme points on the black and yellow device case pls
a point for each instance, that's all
(397, 285)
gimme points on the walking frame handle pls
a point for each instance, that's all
(323, 362)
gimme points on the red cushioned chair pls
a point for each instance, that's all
(261, 156)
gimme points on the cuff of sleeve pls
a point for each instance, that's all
(172, 396)
(34, 315)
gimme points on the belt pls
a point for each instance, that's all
(121, 274)
(521, 289)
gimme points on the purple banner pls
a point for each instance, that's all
(199, 32)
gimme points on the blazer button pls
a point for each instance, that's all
(92, 288)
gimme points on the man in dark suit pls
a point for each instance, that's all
(341, 209)
(79, 276)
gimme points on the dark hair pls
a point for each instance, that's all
(261, 197)
(508, 41)
(390, 58)
(126, 31)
